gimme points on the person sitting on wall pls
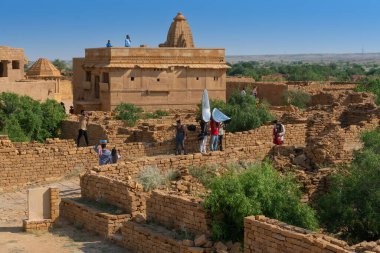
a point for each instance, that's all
(278, 133)
(128, 41)
(71, 111)
(83, 122)
(180, 138)
(214, 135)
(109, 44)
(115, 155)
(105, 156)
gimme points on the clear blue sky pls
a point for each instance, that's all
(63, 29)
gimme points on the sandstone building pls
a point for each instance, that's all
(12, 61)
(172, 75)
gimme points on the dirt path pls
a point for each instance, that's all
(63, 239)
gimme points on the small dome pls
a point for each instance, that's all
(43, 68)
(179, 16)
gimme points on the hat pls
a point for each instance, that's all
(103, 141)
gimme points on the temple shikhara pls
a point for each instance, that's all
(172, 75)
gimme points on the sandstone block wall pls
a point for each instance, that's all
(27, 163)
(141, 238)
(263, 235)
(69, 130)
(179, 212)
(98, 221)
(123, 194)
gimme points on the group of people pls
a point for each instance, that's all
(105, 156)
(127, 42)
(254, 92)
(216, 134)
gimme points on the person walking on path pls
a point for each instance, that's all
(83, 122)
(203, 136)
(221, 133)
(278, 133)
(105, 156)
(180, 138)
(214, 135)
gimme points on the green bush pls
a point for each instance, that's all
(25, 119)
(259, 189)
(297, 98)
(156, 115)
(352, 205)
(244, 112)
(370, 85)
(129, 113)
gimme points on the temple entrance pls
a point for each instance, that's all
(97, 88)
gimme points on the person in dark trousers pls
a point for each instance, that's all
(221, 134)
(202, 137)
(180, 138)
(83, 122)
(63, 107)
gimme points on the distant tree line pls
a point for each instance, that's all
(299, 71)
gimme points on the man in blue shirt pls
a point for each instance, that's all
(105, 156)
(109, 43)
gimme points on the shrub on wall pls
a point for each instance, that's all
(129, 113)
(244, 112)
(352, 205)
(25, 119)
(259, 189)
(370, 85)
(297, 98)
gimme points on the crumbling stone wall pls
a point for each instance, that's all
(264, 235)
(179, 212)
(27, 163)
(98, 221)
(117, 192)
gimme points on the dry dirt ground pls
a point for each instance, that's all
(62, 239)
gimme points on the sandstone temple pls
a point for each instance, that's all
(170, 76)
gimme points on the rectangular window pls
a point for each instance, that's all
(215, 78)
(15, 64)
(106, 77)
(132, 78)
(88, 76)
(197, 78)
(158, 79)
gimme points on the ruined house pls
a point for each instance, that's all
(12, 61)
(170, 76)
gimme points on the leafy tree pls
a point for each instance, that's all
(60, 64)
(258, 190)
(352, 205)
(25, 119)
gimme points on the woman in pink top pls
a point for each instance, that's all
(214, 135)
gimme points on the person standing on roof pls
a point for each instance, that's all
(108, 44)
(127, 41)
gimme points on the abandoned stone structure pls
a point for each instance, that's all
(171, 76)
(12, 61)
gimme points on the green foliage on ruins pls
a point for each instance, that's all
(370, 85)
(61, 65)
(130, 113)
(297, 98)
(244, 111)
(152, 178)
(299, 71)
(259, 189)
(351, 208)
(25, 119)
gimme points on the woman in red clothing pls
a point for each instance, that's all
(214, 135)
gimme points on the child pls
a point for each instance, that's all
(115, 155)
